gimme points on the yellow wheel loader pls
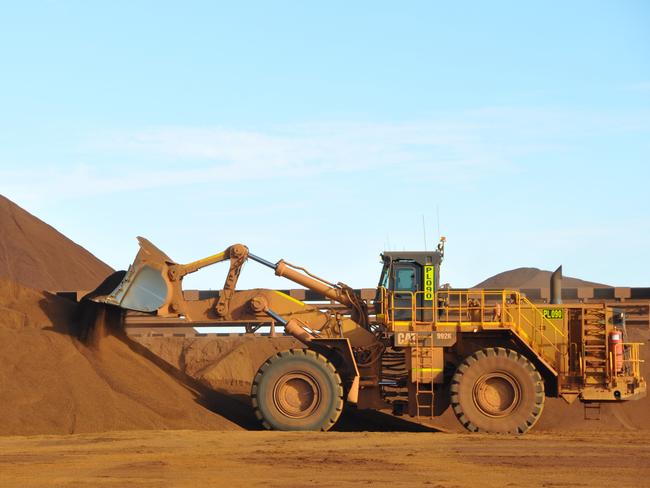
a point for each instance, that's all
(415, 347)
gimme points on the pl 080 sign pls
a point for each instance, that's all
(553, 313)
(429, 281)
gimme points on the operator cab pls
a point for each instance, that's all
(408, 276)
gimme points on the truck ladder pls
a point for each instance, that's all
(595, 353)
(422, 364)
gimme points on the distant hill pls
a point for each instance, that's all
(35, 254)
(532, 278)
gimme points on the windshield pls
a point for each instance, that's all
(383, 278)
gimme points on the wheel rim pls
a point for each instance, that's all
(296, 395)
(496, 394)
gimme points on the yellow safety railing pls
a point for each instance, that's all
(492, 309)
(500, 308)
(471, 306)
(554, 337)
(632, 364)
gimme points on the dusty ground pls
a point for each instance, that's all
(285, 459)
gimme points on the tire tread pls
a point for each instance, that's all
(497, 352)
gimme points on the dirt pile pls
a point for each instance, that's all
(225, 364)
(531, 278)
(37, 255)
(53, 384)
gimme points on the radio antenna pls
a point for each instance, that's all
(438, 219)
(424, 233)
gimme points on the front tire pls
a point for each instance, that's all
(497, 390)
(297, 389)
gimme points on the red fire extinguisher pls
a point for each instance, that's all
(616, 348)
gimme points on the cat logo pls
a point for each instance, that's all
(440, 338)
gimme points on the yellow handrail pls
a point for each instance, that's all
(634, 360)
(493, 308)
(474, 307)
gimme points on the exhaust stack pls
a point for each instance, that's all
(556, 286)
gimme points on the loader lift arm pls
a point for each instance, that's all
(153, 283)
(237, 253)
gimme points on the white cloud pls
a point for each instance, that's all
(174, 156)
(452, 149)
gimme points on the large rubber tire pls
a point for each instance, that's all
(297, 389)
(497, 390)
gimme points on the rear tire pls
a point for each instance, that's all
(497, 390)
(297, 389)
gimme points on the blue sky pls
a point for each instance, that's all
(324, 132)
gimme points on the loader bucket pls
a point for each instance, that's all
(144, 287)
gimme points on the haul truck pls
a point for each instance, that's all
(418, 348)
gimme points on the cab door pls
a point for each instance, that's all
(404, 283)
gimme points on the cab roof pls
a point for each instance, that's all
(421, 257)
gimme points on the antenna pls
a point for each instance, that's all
(438, 219)
(424, 233)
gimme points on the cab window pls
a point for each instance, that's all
(383, 280)
(405, 279)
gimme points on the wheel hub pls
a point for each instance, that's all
(496, 394)
(296, 395)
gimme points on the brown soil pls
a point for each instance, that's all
(292, 459)
(226, 364)
(37, 255)
(51, 383)
(531, 278)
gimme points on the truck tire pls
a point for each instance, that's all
(297, 389)
(497, 390)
